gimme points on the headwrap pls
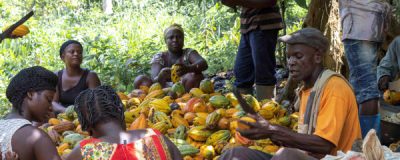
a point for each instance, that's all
(66, 43)
(34, 78)
(173, 27)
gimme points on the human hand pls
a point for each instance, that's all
(383, 83)
(258, 130)
(165, 72)
(182, 69)
(9, 156)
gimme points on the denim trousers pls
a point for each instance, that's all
(255, 60)
(362, 59)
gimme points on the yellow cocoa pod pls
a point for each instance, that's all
(155, 86)
(168, 99)
(160, 105)
(219, 136)
(246, 119)
(212, 120)
(267, 114)
(207, 151)
(271, 149)
(161, 126)
(139, 123)
(174, 76)
(133, 102)
(21, 30)
(199, 121)
(196, 92)
(154, 94)
(179, 120)
(199, 133)
(54, 121)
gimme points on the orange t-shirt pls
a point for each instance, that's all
(337, 119)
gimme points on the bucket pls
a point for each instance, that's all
(390, 123)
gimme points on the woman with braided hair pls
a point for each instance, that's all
(101, 114)
(73, 79)
(190, 61)
(31, 92)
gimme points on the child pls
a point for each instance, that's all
(101, 113)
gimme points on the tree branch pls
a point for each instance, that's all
(9, 30)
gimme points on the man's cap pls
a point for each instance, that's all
(309, 36)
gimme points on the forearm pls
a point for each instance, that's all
(57, 107)
(198, 67)
(160, 79)
(309, 143)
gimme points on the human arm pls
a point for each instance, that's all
(197, 64)
(286, 137)
(389, 66)
(75, 154)
(30, 142)
(57, 107)
(93, 80)
(159, 74)
(173, 150)
(9, 156)
(250, 3)
(337, 114)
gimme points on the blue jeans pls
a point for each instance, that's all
(255, 60)
(362, 59)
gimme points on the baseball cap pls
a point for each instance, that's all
(309, 36)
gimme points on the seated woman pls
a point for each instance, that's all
(73, 79)
(101, 113)
(30, 92)
(190, 61)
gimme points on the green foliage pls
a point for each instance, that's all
(119, 46)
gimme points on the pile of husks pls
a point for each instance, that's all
(201, 123)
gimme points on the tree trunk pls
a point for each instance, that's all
(107, 6)
(324, 15)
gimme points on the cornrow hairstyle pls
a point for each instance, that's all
(98, 105)
(66, 43)
(34, 79)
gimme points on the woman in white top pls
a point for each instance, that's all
(31, 92)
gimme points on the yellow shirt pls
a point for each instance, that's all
(337, 119)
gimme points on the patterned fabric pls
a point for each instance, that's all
(161, 58)
(7, 129)
(364, 19)
(151, 146)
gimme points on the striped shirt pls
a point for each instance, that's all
(263, 19)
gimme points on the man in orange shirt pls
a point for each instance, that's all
(327, 105)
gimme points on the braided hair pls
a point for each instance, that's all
(98, 105)
(34, 79)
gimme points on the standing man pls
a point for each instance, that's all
(363, 25)
(260, 22)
